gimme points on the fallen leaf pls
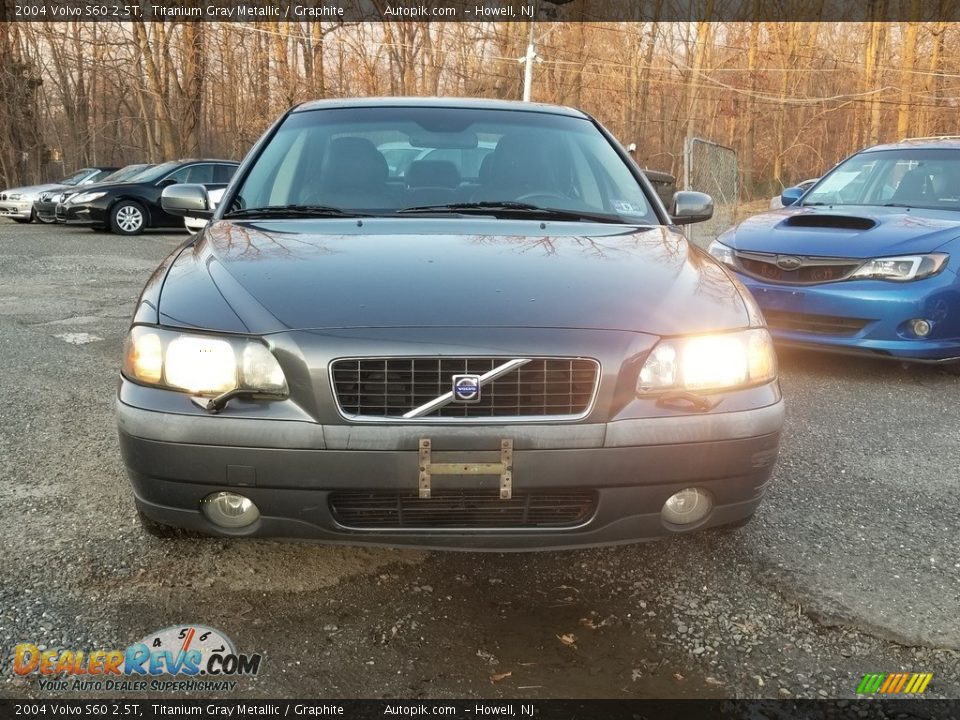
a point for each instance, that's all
(587, 622)
(569, 639)
(678, 676)
(497, 677)
(636, 674)
(712, 681)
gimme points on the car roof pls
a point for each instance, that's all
(186, 161)
(945, 142)
(440, 102)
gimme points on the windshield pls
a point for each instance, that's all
(154, 172)
(381, 160)
(922, 178)
(76, 178)
(125, 173)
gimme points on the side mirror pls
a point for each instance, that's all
(690, 207)
(184, 199)
(790, 195)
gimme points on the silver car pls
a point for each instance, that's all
(17, 203)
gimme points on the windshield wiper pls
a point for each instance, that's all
(510, 207)
(293, 211)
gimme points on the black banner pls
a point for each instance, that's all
(478, 10)
(490, 709)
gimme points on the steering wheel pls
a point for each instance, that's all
(528, 197)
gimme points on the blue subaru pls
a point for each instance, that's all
(866, 260)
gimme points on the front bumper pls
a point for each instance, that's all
(884, 307)
(87, 214)
(46, 211)
(20, 209)
(290, 468)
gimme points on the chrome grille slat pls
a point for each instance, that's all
(386, 388)
(462, 509)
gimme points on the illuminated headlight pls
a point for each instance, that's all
(902, 269)
(709, 362)
(202, 364)
(87, 197)
(722, 253)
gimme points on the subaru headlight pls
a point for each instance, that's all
(902, 269)
(87, 197)
(719, 361)
(722, 253)
(202, 364)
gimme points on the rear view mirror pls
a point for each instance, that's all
(184, 199)
(791, 195)
(690, 207)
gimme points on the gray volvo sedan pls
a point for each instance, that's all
(504, 344)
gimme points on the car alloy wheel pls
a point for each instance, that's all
(128, 219)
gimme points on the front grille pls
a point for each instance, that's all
(820, 324)
(462, 509)
(389, 388)
(810, 271)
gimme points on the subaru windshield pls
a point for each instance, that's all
(918, 178)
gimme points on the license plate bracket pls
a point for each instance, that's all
(504, 469)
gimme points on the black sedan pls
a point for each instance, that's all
(46, 205)
(522, 352)
(128, 208)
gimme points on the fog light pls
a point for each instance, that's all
(920, 328)
(229, 510)
(687, 506)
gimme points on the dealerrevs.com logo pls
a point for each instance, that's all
(188, 657)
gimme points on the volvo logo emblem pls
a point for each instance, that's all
(466, 388)
(788, 262)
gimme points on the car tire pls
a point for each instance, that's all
(159, 530)
(128, 217)
(42, 221)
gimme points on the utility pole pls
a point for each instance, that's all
(530, 56)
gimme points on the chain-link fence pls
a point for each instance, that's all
(711, 168)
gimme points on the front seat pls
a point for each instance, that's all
(353, 175)
(913, 188)
(518, 166)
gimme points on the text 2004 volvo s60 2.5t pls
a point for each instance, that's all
(505, 349)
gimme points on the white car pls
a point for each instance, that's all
(195, 224)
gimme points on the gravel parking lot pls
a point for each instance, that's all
(852, 565)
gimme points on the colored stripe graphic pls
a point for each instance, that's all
(894, 683)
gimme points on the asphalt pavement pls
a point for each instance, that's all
(851, 566)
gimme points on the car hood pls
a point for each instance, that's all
(101, 187)
(268, 276)
(35, 190)
(855, 232)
